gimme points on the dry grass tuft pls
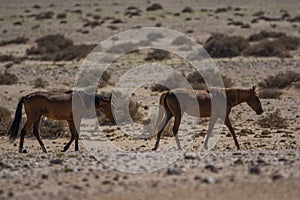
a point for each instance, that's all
(221, 46)
(5, 120)
(273, 120)
(280, 80)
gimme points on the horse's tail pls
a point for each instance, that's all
(163, 108)
(14, 128)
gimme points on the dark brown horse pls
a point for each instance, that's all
(170, 104)
(57, 107)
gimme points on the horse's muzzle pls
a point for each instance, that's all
(259, 112)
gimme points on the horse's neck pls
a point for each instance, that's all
(236, 96)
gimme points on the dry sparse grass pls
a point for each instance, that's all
(5, 120)
(54, 128)
(57, 48)
(157, 54)
(18, 40)
(40, 83)
(273, 120)
(267, 48)
(7, 78)
(280, 80)
(272, 93)
(221, 46)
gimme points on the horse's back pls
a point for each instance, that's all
(54, 106)
(193, 102)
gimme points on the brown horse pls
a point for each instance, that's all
(170, 103)
(57, 107)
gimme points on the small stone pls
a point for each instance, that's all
(209, 180)
(154, 7)
(174, 171)
(266, 132)
(212, 168)
(44, 176)
(276, 176)
(190, 155)
(56, 161)
(187, 10)
(254, 170)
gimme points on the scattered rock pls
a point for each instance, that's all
(133, 11)
(190, 155)
(45, 176)
(254, 170)
(187, 10)
(44, 15)
(56, 162)
(266, 132)
(154, 7)
(212, 168)
(276, 176)
(174, 171)
(209, 180)
(220, 45)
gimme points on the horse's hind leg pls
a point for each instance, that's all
(36, 133)
(176, 128)
(74, 135)
(209, 131)
(24, 130)
(229, 126)
(161, 127)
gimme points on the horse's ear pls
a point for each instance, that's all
(253, 89)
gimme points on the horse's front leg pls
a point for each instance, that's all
(209, 131)
(229, 126)
(74, 136)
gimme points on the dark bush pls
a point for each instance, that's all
(6, 58)
(61, 15)
(272, 93)
(220, 46)
(44, 15)
(133, 11)
(5, 120)
(273, 120)
(93, 24)
(280, 80)
(265, 34)
(18, 40)
(154, 7)
(57, 48)
(40, 83)
(157, 54)
(290, 43)
(7, 78)
(53, 43)
(267, 48)
(187, 10)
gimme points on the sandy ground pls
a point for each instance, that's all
(266, 167)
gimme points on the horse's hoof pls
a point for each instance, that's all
(154, 149)
(24, 151)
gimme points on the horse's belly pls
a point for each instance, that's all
(58, 115)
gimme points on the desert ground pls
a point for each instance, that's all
(259, 46)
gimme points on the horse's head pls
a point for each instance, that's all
(254, 102)
(105, 106)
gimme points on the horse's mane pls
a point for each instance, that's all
(233, 95)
